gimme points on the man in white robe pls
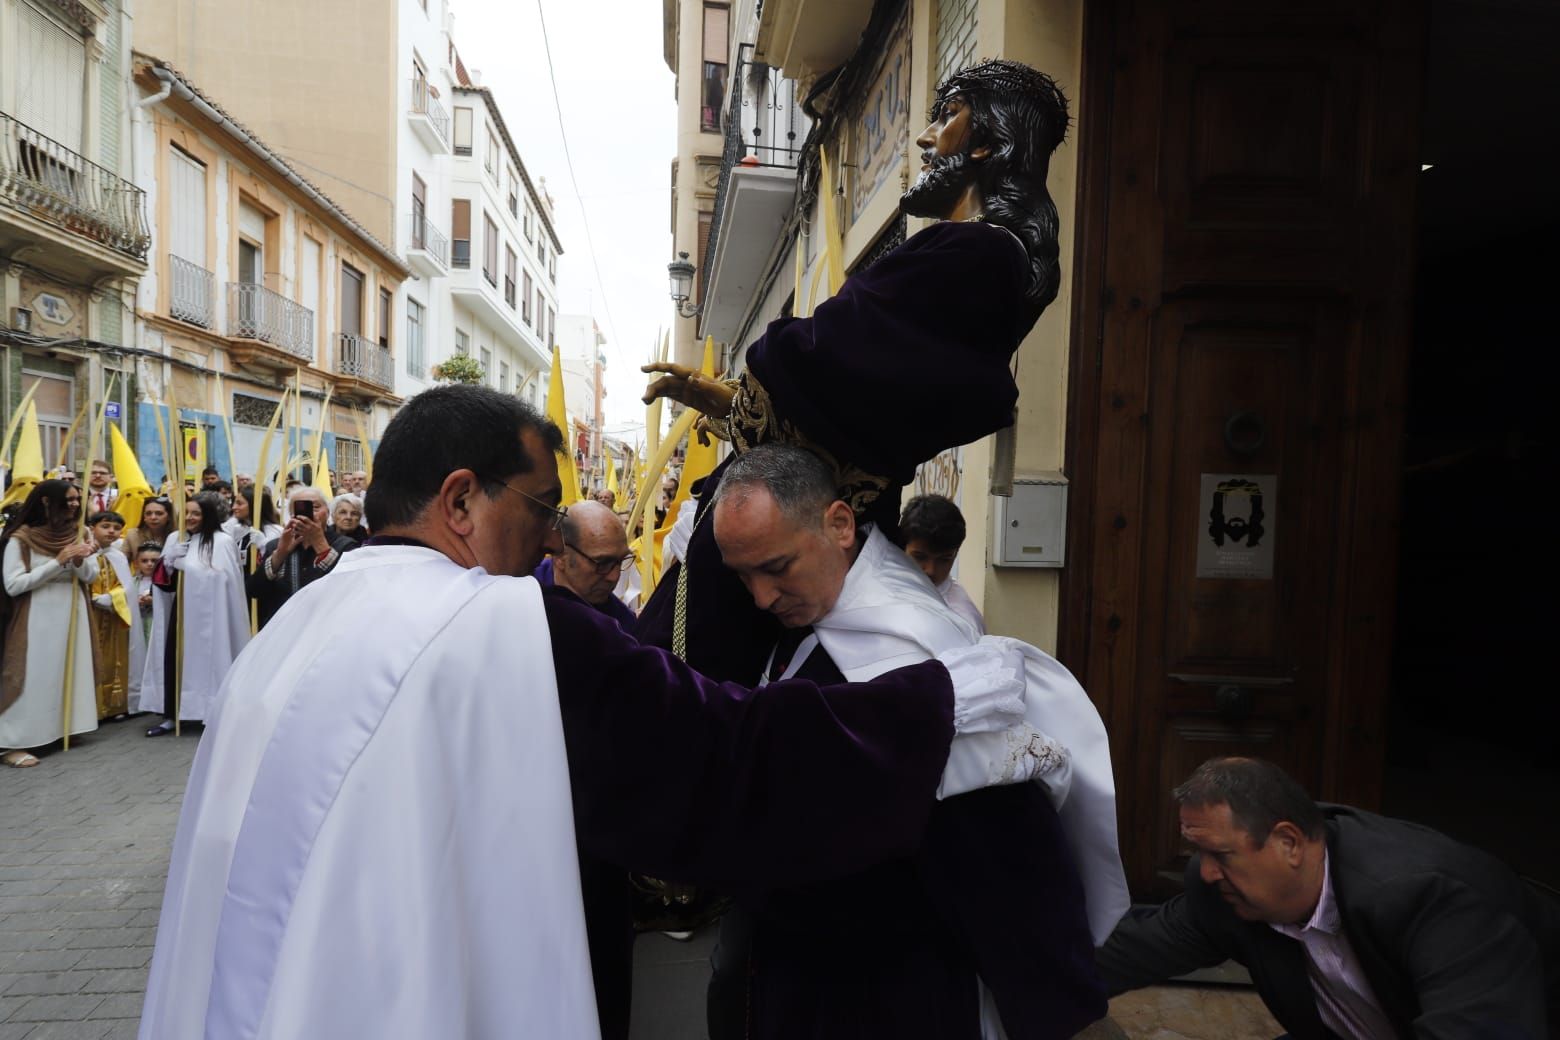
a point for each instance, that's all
(377, 839)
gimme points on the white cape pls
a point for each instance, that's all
(889, 615)
(377, 839)
(216, 626)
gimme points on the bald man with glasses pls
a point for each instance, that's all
(595, 551)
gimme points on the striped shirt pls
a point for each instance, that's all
(1344, 1000)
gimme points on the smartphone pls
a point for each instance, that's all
(304, 507)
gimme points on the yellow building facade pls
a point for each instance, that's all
(258, 282)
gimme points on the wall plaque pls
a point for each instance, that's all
(1235, 531)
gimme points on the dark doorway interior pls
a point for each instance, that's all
(1473, 716)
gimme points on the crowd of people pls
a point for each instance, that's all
(915, 822)
(119, 621)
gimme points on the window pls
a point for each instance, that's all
(414, 339)
(552, 326)
(309, 284)
(489, 250)
(386, 305)
(251, 261)
(460, 233)
(51, 71)
(552, 267)
(509, 277)
(419, 213)
(490, 161)
(525, 300)
(541, 247)
(514, 193)
(487, 361)
(462, 343)
(351, 300)
(190, 286)
(463, 131)
(712, 97)
(541, 330)
(530, 222)
(349, 454)
(503, 376)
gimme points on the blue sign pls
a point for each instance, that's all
(111, 410)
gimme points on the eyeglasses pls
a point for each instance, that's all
(604, 565)
(558, 515)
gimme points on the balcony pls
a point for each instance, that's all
(192, 292)
(47, 182)
(487, 303)
(364, 360)
(257, 313)
(764, 130)
(807, 38)
(427, 250)
(428, 118)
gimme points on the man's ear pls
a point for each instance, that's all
(839, 524)
(453, 503)
(1291, 842)
(980, 153)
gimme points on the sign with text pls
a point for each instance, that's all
(941, 475)
(1235, 532)
(881, 127)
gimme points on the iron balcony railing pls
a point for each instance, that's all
(765, 126)
(255, 312)
(425, 104)
(364, 359)
(192, 292)
(429, 239)
(43, 177)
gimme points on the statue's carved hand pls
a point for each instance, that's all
(690, 387)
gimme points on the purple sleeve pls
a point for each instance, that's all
(676, 775)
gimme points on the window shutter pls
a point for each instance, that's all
(187, 208)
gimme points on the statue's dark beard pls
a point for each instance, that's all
(938, 188)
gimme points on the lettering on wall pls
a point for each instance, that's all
(881, 128)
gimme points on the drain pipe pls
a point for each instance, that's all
(161, 95)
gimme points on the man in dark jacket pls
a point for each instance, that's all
(1351, 924)
(303, 554)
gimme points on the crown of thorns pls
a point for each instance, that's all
(999, 76)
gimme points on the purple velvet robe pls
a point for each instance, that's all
(676, 775)
(894, 950)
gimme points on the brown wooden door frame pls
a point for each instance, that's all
(1102, 584)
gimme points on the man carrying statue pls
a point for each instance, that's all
(987, 929)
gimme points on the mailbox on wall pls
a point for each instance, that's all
(1030, 526)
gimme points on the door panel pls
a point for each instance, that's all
(1243, 290)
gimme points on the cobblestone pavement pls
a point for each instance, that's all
(84, 839)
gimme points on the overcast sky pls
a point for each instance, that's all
(620, 118)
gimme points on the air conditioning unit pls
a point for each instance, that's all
(21, 319)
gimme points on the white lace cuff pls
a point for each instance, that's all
(988, 687)
(1011, 756)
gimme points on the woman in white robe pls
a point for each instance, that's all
(216, 617)
(47, 564)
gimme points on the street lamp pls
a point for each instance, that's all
(681, 273)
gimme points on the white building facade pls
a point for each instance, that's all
(476, 230)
